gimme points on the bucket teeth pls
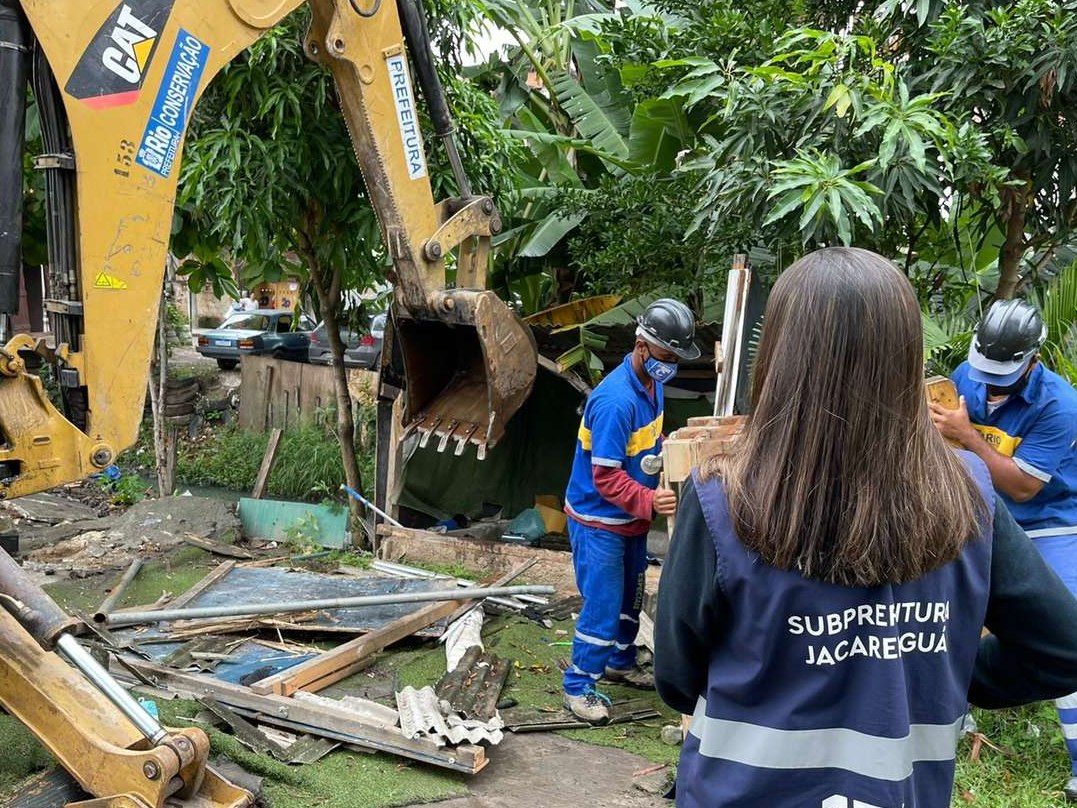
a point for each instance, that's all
(427, 427)
(445, 434)
(462, 437)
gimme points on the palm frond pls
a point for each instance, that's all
(1059, 307)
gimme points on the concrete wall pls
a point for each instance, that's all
(207, 310)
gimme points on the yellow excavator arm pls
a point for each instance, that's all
(115, 83)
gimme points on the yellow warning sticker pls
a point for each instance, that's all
(106, 281)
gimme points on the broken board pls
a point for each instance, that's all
(294, 715)
(271, 585)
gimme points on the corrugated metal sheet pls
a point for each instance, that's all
(423, 715)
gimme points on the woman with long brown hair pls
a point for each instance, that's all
(822, 603)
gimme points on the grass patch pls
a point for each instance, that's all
(23, 756)
(448, 570)
(1035, 774)
(176, 573)
(308, 465)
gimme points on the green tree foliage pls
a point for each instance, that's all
(940, 134)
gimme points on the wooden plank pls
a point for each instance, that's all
(256, 381)
(311, 718)
(677, 460)
(719, 420)
(941, 390)
(217, 548)
(344, 660)
(267, 464)
(200, 587)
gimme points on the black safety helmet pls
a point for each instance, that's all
(671, 325)
(1006, 340)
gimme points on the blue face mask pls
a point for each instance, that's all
(660, 371)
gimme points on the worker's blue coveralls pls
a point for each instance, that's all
(622, 423)
(1038, 428)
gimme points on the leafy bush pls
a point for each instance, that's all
(175, 317)
(127, 490)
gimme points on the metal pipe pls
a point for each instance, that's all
(267, 609)
(117, 592)
(407, 572)
(392, 568)
(359, 497)
(78, 656)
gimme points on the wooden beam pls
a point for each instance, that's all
(217, 548)
(311, 718)
(344, 660)
(268, 460)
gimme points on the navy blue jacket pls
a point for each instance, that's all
(848, 694)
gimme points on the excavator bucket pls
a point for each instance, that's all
(469, 367)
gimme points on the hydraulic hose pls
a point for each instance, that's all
(15, 39)
(413, 21)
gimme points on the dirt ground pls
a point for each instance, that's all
(567, 773)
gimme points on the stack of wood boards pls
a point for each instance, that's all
(704, 437)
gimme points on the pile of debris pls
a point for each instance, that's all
(62, 537)
(210, 644)
(239, 642)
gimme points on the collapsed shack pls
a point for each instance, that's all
(295, 687)
(249, 683)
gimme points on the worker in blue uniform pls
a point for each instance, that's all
(1021, 419)
(611, 500)
(822, 602)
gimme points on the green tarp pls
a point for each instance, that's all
(534, 457)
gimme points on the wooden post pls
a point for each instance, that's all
(267, 396)
(267, 464)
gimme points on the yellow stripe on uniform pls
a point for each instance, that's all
(641, 440)
(1002, 442)
(644, 438)
(585, 437)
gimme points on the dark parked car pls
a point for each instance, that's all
(359, 351)
(260, 332)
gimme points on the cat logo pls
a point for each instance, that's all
(133, 43)
(114, 65)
